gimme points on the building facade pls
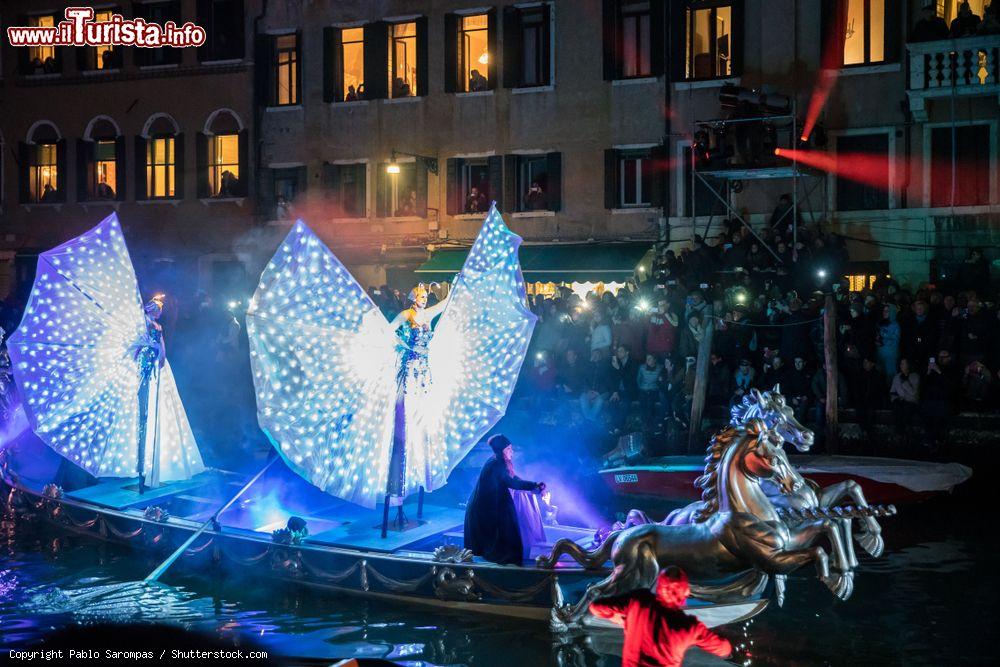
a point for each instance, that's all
(389, 125)
(164, 137)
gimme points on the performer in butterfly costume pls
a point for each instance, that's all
(331, 374)
(90, 365)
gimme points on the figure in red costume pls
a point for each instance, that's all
(657, 632)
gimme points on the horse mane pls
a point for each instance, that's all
(709, 480)
(721, 443)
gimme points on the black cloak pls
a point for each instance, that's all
(491, 528)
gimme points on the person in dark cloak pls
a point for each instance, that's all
(493, 527)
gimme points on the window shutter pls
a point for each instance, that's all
(893, 30)
(832, 26)
(120, 168)
(204, 17)
(511, 199)
(381, 191)
(452, 53)
(491, 47)
(201, 162)
(677, 25)
(610, 178)
(554, 175)
(737, 47)
(511, 47)
(24, 169)
(265, 199)
(376, 60)
(333, 65)
(264, 68)
(243, 146)
(420, 173)
(547, 44)
(453, 171)
(62, 174)
(657, 41)
(361, 191)
(84, 174)
(300, 59)
(179, 165)
(301, 180)
(331, 182)
(495, 165)
(141, 187)
(23, 63)
(422, 63)
(240, 49)
(611, 27)
(658, 180)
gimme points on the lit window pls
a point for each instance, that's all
(224, 165)
(635, 39)
(864, 32)
(105, 170)
(286, 70)
(709, 42)
(403, 60)
(104, 55)
(949, 8)
(353, 59)
(861, 282)
(43, 174)
(474, 41)
(403, 198)
(39, 55)
(160, 167)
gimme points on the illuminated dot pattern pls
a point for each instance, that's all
(75, 360)
(327, 366)
(324, 366)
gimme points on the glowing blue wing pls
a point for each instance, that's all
(475, 355)
(74, 360)
(324, 366)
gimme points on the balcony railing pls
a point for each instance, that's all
(966, 66)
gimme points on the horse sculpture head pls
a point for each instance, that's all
(770, 406)
(763, 457)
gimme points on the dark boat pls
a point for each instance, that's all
(884, 480)
(342, 552)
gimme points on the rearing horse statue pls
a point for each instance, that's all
(771, 408)
(737, 532)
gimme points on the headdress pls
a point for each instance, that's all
(154, 305)
(415, 293)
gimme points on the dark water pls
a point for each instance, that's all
(931, 600)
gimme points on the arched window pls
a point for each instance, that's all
(221, 152)
(43, 165)
(159, 153)
(100, 162)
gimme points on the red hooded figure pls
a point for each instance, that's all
(657, 632)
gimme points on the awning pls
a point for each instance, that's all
(584, 262)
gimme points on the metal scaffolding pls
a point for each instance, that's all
(750, 173)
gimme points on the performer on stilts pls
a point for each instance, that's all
(150, 354)
(413, 326)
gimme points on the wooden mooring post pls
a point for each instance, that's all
(701, 380)
(830, 357)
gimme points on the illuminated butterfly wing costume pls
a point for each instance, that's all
(329, 369)
(76, 358)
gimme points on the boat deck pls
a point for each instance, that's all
(331, 522)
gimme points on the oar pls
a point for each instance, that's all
(158, 572)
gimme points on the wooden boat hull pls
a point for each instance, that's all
(411, 577)
(883, 480)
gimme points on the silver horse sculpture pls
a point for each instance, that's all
(737, 536)
(805, 497)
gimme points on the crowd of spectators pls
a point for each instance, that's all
(626, 362)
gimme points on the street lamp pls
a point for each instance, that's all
(431, 163)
